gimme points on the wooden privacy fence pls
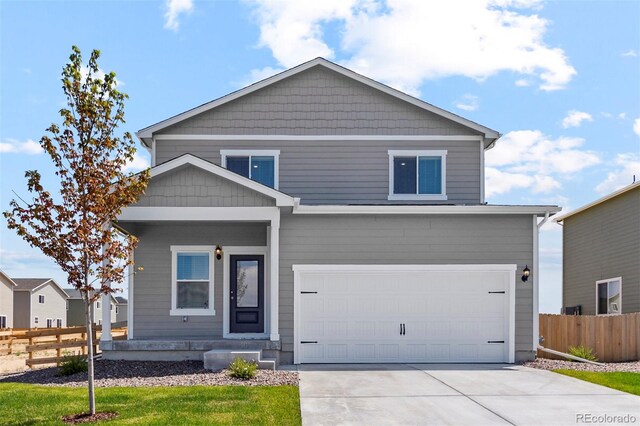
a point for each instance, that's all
(614, 338)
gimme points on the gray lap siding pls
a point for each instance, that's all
(343, 172)
(408, 239)
(152, 286)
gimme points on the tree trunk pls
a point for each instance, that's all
(89, 320)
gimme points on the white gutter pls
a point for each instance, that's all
(536, 280)
(573, 357)
(423, 209)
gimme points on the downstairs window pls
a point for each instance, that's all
(192, 280)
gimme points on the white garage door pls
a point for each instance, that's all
(404, 313)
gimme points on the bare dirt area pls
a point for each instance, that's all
(552, 364)
(150, 373)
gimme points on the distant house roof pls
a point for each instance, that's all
(121, 300)
(75, 294)
(8, 278)
(33, 284)
(598, 201)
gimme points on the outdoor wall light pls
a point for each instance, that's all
(525, 273)
(218, 252)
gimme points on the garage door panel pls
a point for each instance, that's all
(446, 316)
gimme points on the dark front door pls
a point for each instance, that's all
(246, 294)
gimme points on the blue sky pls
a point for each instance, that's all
(560, 80)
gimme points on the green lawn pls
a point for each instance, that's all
(205, 405)
(626, 382)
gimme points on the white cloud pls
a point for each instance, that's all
(622, 116)
(258, 74)
(84, 72)
(14, 146)
(522, 83)
(636, 126)
(175, 8)
(140, 162)
(625, 167)
(405, 42)
(575, 118)
(467, 103)
(629, 52)
(530, 159)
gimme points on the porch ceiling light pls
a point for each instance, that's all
(218, 252)
(525, 273)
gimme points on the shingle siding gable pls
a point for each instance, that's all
(318, 101)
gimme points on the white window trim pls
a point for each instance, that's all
(58, 321)
(43, 299)
(607, 281)
(226, 276)
(49, 322)
(224, 153)
(36, 320)
(5, 321)
(418, 153)
(175, 311)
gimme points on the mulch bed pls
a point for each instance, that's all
(88, 418)
(150, 373)
(553, 364)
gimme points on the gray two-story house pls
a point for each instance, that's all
(322, 217)
(76, 306)
(601, 255)
(39, 303)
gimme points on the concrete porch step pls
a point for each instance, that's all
(217, 359)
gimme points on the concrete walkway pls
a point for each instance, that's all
(411, 394)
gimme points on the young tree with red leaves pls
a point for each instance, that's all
(74, 227)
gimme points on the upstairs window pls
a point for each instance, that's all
(417, 175)
(41, 298)
(609, 296)
(258, 165)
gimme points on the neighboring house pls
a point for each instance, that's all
(601, 255)
(39, 303)
(320, 216)
(75, 311)
(122, 311)
(6, 300)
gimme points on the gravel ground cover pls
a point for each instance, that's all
(552, 364)
(150, 373)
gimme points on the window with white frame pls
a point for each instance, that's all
(609, 296)
(36, 320)
(417, 175)
(3, 321)
(97, 305)
(41, 298)
(259, 165)
(192, 280)
(59, 323)
(117, 310)
(49, 323)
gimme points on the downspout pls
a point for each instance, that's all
(572, 357)
(536, 281)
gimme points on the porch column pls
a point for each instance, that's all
(274, 281)
(105, 299)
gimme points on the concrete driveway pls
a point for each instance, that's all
(407, 394)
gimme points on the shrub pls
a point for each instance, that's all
(72, 364)
(242, 369)
(583, 352)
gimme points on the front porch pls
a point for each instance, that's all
(192, 350)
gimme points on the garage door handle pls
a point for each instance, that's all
(308, 341)
(495, 341)
(308, 292)
(497, 292)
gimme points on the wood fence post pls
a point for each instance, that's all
(30, 352)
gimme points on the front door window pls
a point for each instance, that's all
(246, 294)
